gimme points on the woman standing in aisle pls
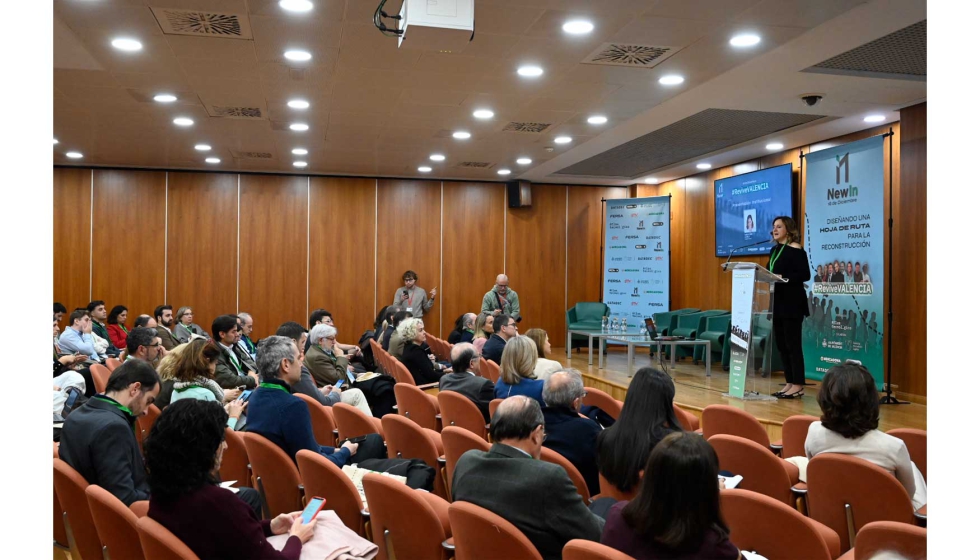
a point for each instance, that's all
(788, 260)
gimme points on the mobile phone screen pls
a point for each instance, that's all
(312, 508)
(339, 383)
(245, 396)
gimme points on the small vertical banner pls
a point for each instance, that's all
(743, 288)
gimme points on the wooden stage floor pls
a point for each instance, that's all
(693, 391)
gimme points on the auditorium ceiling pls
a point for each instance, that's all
(379, 110)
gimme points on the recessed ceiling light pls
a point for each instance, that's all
(298, 104)
(503, 172)
(296, 5)
(746, 40)
(704, 166)
(524, 161)
(299, 164)
(55, 141)
(125, 44)
(598, 119)
(651, 180)
(577, 27)
(563, 140)
(297, 56)
(774, 146)
(183, 121)
(299, 127)
(202, 148)
(213, 160)
(461, 135)
(874, 118)
(483, 113)
(74, 155)
(425, 169)
(530, 71)
(437, 157)
(672, 80)
(164, 98)
(300, 151)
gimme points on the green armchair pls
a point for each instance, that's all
(715, 331)
(585, 315)
(690, 325)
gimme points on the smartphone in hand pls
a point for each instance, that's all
(312, 508)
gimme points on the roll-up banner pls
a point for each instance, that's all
(743, 287)
(844, 239)
(637, 258)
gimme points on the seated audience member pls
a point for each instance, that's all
(144, 344)
(322, 316)
(329, 394)
(283, 419)
(517, 371)
(59, 311)
(849, 425)
(186, 327)
(77, 336)
(246, 359)
(145, 321)
(230, 372)
(186, 499)
(65, 362)
(483, 331)
(326, 362)
(570, 435)
(504, 329)
(164, 315)
(246, 342)
(63, 384)
(511, 481)
(99, 439)
(463, 381)
(116, 325)
(394, 344)
(193, 371)
(677, 513)
(423, 368)
(463, 330)
(167, 371)
(383, 323)
(96, 310)
(647, 417)
(544, 367)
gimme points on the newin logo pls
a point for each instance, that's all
(849, 192)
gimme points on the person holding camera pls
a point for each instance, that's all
(413, 298)
(502, 300)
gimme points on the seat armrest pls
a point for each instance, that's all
(365, 514)
(777, 447)
(429, 386)
(920, 514)
(441, 459)
(449, 544)
(799, 488)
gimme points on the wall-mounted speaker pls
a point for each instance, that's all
(518, 194)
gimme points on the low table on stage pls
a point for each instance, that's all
(597, 334)
(632, 341)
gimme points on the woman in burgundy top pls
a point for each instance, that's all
(677, 514)
(183, 451)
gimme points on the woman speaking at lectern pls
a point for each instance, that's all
(787, 259)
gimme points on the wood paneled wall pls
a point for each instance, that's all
(72, 237)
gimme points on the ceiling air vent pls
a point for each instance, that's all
(633, 56)
(532, 127)
(252, 155)
(199, 23)
(235, 112)
(475, 164)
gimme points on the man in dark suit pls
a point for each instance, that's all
(511, 481)
(164, 315)
(504, 329)
(462, 380)
(230, 371)
(570, 435)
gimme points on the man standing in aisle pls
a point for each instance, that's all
(413, 298)
(501, 299)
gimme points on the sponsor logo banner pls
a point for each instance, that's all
(622, 219)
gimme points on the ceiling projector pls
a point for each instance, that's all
(435, 25)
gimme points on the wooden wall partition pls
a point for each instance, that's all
(202, 244)
(129, 244)
(72, 237)
(272, 284)
(585, 243)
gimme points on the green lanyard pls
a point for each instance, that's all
(115, 404)
(123, 327)
(772, 262)
(274, 386)
(234, 359)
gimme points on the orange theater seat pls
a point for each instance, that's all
(115, 523)
(480, 534)
(275, 475)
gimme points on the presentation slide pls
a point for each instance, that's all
(746, 205)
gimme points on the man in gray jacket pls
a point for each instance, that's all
(502, 300)
(413, 298)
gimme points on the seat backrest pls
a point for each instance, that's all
(351, 422)
(413, 528)
(407, 440)
(112, 364)
(590, 311)
(579, 549)
(688, 421)
(725, 419)
(484, 368)
(493, 406)
(376, 351)
(457, 410)
(455, 442)
(761, 471)
(140, 508)
(576, 477)
(751, 518)
(160, 544)
(416, 405)
(401, 373)
(907, 540)
(323, 422)
(493, 370)
(325, 479)
(603, 400)
(115, 523)
(100, 376)
(276, 475)
(915, 442)
(480, 534)
(144, 422)
(835, 481)
(795, 429)
(70, 487)
(234, 461)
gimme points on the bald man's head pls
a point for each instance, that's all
(462, 357)
(517, 418)
(562, 388)
(502, 283)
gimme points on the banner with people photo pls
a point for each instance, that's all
(636, 283)
(844, 240)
